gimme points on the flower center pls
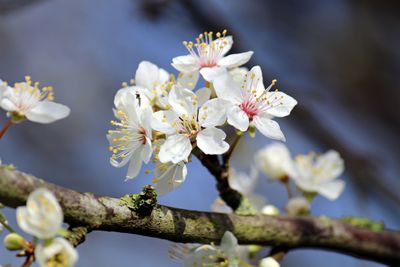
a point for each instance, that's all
(186, 125)
(250, 108)
(206, 50)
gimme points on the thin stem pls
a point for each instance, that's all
(9, 228)
(5, 128)
(289, 190)
(28, 261)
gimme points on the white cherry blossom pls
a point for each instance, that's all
(275, 161)
(224, 255)
(58, 253)
(26, 100)
(208, 56)
(42, 216)
(131, 140)
(317, 173)
(249, 102)
(184, 123)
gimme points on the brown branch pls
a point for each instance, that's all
(105, 214)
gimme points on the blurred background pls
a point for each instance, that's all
(339, 59)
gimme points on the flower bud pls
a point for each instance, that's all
(14, 241)
(275, 161)
(298, 206)
(252, 130)
(270, 210)
(269, 262)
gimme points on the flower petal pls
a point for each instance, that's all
(183, 101)
(203, 94)
(149, 75)
(47, 112)
(227, 44)
(175, 149)
(187, 80)
(211, 141)
(169, 176)
(268, 127)
(212, 113)
(235, 60)
(229, 245)
(332, 190)
(162, 121)
(281, 104)
(237, 118)
(254, 81)
(134, 164)
(209, 74)
(227, 88)
(7, 104)
(186, 63)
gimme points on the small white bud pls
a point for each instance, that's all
(298, 206)
(270, 210)
(269, 262)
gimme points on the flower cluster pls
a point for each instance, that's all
(42, 217)
(167, 118)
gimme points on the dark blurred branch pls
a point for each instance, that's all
(14, 5)
(105, 214)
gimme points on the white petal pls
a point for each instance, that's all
(210, 74)
(162, 121)
(183, 101)
(7, 104)
(134, 164)
(147, 151)
(187, 80)
(175, 149)
(254, 81)
(213, 113)
(282, 104)
(169, 176)
(211, 141)
(268, 127)
(235, 60)
(332, 190)
(186, 63)
(237, 118)
(227, 88)
(148, 75)
(203, 94)
(330, 164)
(229, 245)
(47, 112)
(228, 42)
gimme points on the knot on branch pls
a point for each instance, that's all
(142, 203)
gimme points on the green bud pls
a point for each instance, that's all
(14, 241)
(252, 130)
(16, 117)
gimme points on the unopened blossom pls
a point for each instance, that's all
(226, 255)
(58, 253)
(298, 206)
(250, 102)
(42, 216)
(270, 210)
(27, 100)
(207, 55)
(269, 262)
(130, 142)
(317, 174)
(185, 124)
(275, 161)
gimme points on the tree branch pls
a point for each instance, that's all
(105, 214)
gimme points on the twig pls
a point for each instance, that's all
(105, 214)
